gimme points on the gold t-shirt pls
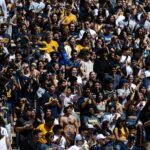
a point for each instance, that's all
(44, 130)
(122, 134)
(50, 47)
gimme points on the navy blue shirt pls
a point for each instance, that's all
(84, 111)
(96, 147)
(45, 98)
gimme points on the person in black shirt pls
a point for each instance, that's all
(24, 127)
(33, 142)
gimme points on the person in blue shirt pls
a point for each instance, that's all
(85, 102)
(107, 35)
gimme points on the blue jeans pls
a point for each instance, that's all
(120, 146)
(131, 122)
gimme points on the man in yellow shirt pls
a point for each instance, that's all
(68, 17)
(49, 45)
(45, 128)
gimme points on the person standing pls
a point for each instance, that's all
(69, 124)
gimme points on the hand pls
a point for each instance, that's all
(96, 125)
(109, 98)
(115, 117)
(54, 102)
(28, 126)
(132, 90)
(58, 140)
(62, 97)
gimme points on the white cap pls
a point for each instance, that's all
(106, 118)
(78, 138)
(147, 73)
(100, 136)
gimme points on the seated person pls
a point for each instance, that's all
(49, 136)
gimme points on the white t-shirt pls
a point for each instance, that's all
(4, 132)
(120, 92)
(3, 145)
(62, 141)
(37, 6)
(125, 59)
(141, 105)
(74, 147)
(46, 56)
(92, 32)
(147, 25)
(119, 19)
(109, 117)
(4, 7)
(129, 70)
(132, 86)
(86, 67)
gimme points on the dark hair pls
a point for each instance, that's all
(86, 87)
(18, 52)
(71, 88)
(65, 108)
(120, 119)
(61, 81)
(56, 128)
(49, 118)
(35, 132)
(83, 128)
(29, 108)
(97, 96)
(85, 35)
(48, 134)
(3, 24)
(74, 51)
(45, 109)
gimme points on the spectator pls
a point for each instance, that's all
(90, 53)
(49, 144)
(46, 128)
(59, 138)
(69, 123)
(100, 144)
(121, 133)
(24, 126)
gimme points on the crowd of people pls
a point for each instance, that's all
(75, 74)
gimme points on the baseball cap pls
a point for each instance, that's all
(100, 136)
(78, 138)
